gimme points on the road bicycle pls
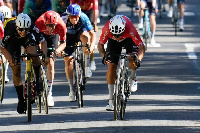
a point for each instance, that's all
(31, 94)
(175, 16)
(122, 86)
(146, 27)
(2, 76)
(79, 71)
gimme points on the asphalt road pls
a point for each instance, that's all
(167, 99)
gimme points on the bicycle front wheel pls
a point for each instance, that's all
(117, 104)
(44, 92)
(2, 80)
(29, 97)
(78, 78)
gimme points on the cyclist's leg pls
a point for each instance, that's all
(113, 47)
(85, 39)
(181, 4)
(131, 49)
(69, 65)
(15, 50)
(170, 12)
(142, 5)
(52, 41)
(93, 14)
(152, 18)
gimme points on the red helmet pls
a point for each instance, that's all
(50, 17)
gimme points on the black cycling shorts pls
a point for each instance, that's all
(71, 40)
(52, 42)
(114, 48)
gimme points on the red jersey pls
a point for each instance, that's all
(59, 29)
(1, 30)
(129, 32)
(86, 4)
(21, 5)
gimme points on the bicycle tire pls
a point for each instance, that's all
(44, 92)
(116, 95)
(122, 109)
(29, 97)
(2, 81)
(79, 93)
(38, 102)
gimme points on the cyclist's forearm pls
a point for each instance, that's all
(141, 52)
(43, 47)
(95, 16)
(61, 47)
(101, 49)
(93, 39)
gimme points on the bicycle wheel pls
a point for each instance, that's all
(117, 104)
(29, 97)
(78, 76)
(2, 80)
(38, 100)
(123, 107)
(44, 92)
(37, 95)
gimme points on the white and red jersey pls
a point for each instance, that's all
(59, 29)
(1, 30)
(129, 32)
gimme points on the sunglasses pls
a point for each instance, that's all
(50, 25)
(73, 16)
(117, 35)
(22, 29)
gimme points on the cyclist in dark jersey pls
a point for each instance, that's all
(19, 32)
(91, 9)
(79, 28)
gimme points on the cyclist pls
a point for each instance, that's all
(181, 4)
(152, 7)
(6, 11)
(51, 24)
(119, 31)
(79, 28)
(35, 8)
(60, 6)
(20, 31)
(91, 9)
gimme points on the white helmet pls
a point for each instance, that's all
(1, 17)
(23, 21)
(6, 11)
(117, 25)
